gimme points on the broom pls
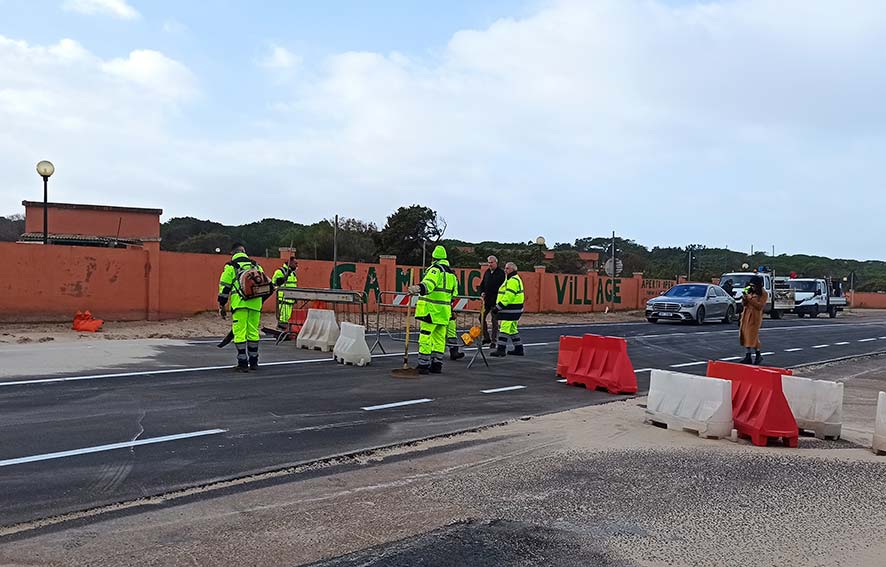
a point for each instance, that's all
(406, 371)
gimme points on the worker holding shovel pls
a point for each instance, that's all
(434, 311)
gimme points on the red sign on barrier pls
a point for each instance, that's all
(603, 363)
(759, 409)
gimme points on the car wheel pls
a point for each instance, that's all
(801, 315)
(652, 319)
(730, 315)
(775, 314)
(814, 313)
(699, 316)
(832, 312)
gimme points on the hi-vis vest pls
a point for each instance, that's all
(510, 298)
(437, 290)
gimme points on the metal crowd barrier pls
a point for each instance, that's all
(391, 309)
(349, 306)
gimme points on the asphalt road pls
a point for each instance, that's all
(181, 419)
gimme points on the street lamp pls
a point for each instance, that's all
(541, 242)
(45, 169)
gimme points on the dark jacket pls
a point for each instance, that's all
(492, 280)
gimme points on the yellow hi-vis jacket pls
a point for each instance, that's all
(438, 288)
(510, 298)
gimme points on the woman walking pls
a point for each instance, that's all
(753, 300)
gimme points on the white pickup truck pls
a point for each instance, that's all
(781, 297)
(814, 296)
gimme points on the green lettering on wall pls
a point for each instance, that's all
(608, 291)
(561, 290)
(585, 298)
(474, 288)
(335, 274)
(576, 300)
(616, 291)
(600, 300)
(402, 279)
(371, 283)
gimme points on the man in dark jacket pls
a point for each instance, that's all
(489, 286)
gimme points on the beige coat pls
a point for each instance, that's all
(752, 319)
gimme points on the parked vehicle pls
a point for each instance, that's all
(813, 296)
(692, 302)
(781, 296)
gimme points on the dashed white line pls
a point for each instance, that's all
(505, 389)
(866, 340)
(397, 404)
(110, 447)
(841, 343)
(766, 353)
(793, 349)
(637, 371)
(685, 364)
(821, 346)
(562, 380)
(730, 358)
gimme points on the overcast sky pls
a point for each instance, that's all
(727, 123)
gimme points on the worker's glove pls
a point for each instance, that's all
(221, 312)
(414, 289)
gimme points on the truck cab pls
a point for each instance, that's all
(813, 296)
(781, 297)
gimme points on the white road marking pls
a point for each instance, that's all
(639, 370)
(506, 389)
(866, 340)
(731, 358)
(685, 364)
(397, 404)
(766, 353)
(562, 380)
(842, 343)
(110, 447)
(793, 349)
(821, 346)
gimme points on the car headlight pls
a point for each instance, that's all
(689, 305)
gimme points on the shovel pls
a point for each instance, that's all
(407, 371)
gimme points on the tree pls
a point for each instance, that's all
(407, 229)
(11, 228)
(566, 262)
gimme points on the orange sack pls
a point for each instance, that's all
(85, 323)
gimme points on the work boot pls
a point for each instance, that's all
(253, 363)
(747, 359)
(758, 359)
(242, 366)
(518, 351)
(487, 342)
(422, 369)
(437, 367)
(500, 351)
(455, 354)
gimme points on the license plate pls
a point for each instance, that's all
(665, 314)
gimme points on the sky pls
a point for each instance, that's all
(731, 123)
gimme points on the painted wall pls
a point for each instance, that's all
(53, 282)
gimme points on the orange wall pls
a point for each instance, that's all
(94, 223)
(54, 282)
(867, 300)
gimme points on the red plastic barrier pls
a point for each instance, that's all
(569, 349)
(759, 408)
(85, 322)
(603, 362)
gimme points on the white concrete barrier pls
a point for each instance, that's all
(879, 445)
(320, 330)
(817, 405)
(351, 347)
(697, 403)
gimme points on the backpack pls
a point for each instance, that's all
(251, 282)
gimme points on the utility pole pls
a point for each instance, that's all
(689, 262)
(335, 245)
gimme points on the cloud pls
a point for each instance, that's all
(117, 8)
(156, 72)
(174, 27)
(731, 122)
(280, 59)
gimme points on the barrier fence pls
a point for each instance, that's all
(392, 307)
(349, 306)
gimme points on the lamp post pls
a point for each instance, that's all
(541, 242)
(45, 169)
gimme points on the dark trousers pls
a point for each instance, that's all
(486, 336)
